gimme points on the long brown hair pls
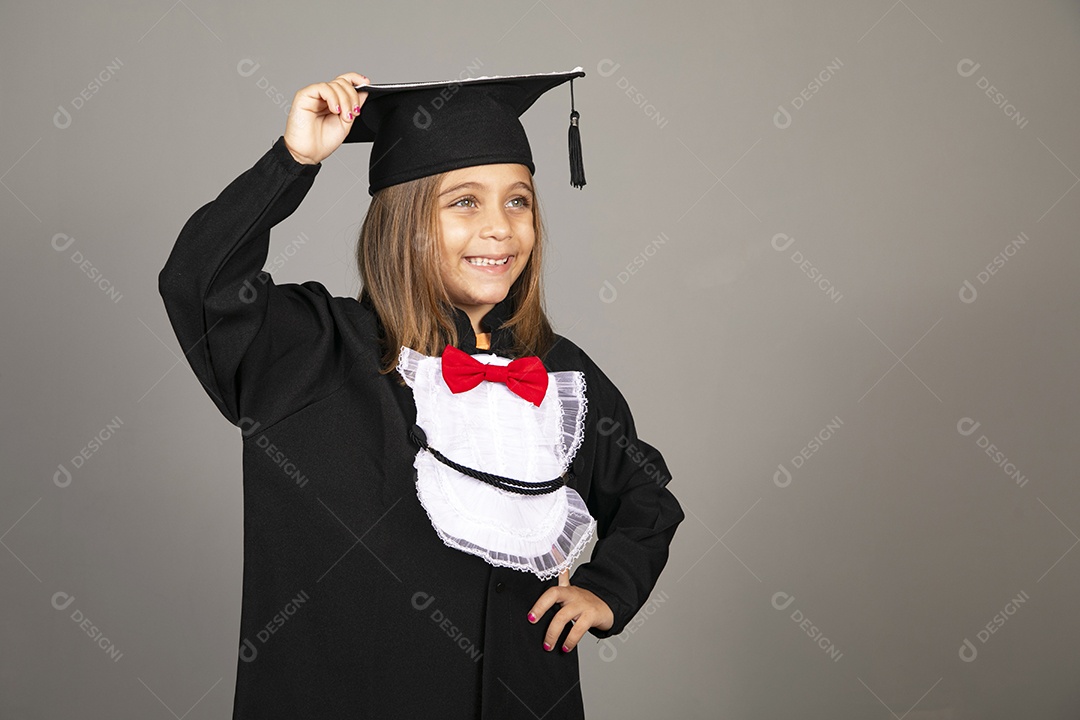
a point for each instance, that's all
(398, 254)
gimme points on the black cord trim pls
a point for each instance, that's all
(518, 486)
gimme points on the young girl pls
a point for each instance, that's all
(423, 464)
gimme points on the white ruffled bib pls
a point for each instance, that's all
(491, 429)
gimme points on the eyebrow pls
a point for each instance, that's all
(481, 186)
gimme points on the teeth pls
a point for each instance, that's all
(486, 261)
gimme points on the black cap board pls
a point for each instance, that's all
(423, 128)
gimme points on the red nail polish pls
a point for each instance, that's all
(565, 649)
(532, 618)
(546, 646)
(339, 108)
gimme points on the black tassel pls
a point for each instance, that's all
(577, 169)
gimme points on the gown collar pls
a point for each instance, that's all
(502, 341)
(501, 338)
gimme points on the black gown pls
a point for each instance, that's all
(352, 606)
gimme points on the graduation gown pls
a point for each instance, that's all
(352, 606)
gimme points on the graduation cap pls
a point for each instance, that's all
(423, 128)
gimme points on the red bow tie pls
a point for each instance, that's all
(524, 376)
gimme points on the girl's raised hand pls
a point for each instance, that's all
(322, 115)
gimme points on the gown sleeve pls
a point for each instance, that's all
(636, 515)
(260, 350)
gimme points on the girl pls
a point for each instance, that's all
(423, 463)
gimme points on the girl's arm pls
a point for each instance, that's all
(261, 350)
(636, 515)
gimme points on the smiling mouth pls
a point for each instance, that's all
(488, 261)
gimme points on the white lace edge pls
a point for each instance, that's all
(544, 566)
(408, 360)
(572, 419)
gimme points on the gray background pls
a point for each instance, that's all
(714, 134)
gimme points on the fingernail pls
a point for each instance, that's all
(532, 618)
(350, 116)
(356, 108)
(565, 649)
(339, 108)
(546, 646)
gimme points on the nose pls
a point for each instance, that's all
(496, 222)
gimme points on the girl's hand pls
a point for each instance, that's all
(580, 606)
(322, 115)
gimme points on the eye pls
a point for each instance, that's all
(466, 199)
(524, 201)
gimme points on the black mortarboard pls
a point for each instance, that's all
(423, 128)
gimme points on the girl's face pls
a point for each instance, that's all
(485, 211)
